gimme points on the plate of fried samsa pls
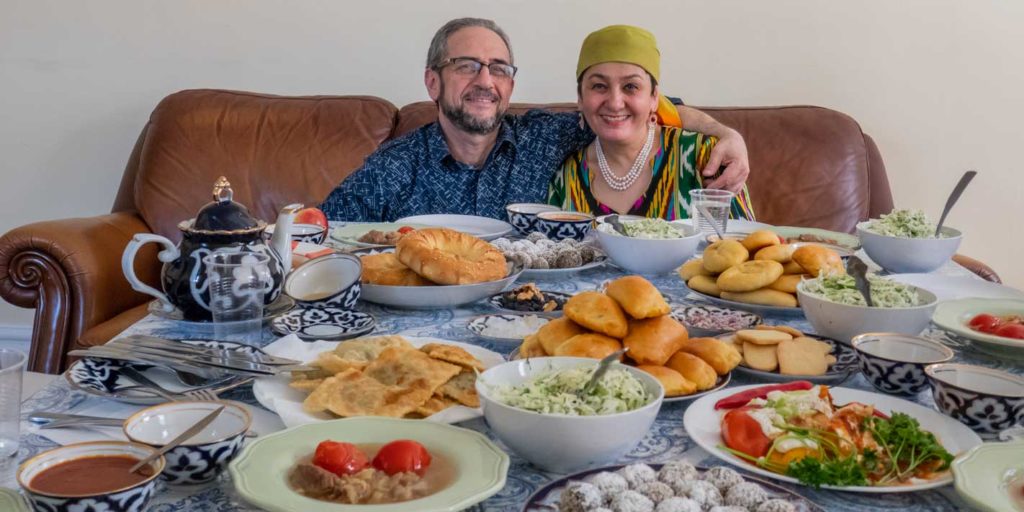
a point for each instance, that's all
(393, 376)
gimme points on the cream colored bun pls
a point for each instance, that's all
(384, 269)
(654, 340)
(792, 267)
(760, 238)
(638, 297)
(673, 382)
(764, 296)
(704, 284)
(815, 259)
(555, 332)
(749, 276)
(723, 254)
(723, 357)
(592, 345)
(782, 253)
(691, 268)
(597, 312)
(446, 256)
(787, 283)
(693, 369)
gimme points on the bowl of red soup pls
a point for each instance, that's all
(91, 477)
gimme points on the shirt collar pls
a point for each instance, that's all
(437, 146)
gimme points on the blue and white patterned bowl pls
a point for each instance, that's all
(330, 281)
(129, 499)
(559, 225)
(523, 216)
(308, 233)
(894, 363)
(203, 456)
(329, 324)
(984, 399)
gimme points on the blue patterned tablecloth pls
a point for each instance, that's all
(666, 440)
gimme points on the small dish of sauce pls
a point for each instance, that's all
(86, 476)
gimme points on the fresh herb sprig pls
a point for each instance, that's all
(843, 471)
(907, 448)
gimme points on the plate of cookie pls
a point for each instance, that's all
(779, 353)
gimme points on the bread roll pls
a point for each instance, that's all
(759, 239)
(721, 356)
(787, 283)
(555, 332)
(592, 345)
(749, 276)
(638, 297)
(673, 382)
(597, 312)
(792, 267)
(782, 253)
(816, 258)
(705, 284)
(764, 296)
(654, 340)
(384, 269)
(531, 347)
(694, 267)
(693, 369)
(723, 254)
(446, 256)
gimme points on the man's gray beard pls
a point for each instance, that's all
(459, 117)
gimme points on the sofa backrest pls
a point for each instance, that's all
(809, 166)
(274, 150)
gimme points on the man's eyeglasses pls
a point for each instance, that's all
(468, 66)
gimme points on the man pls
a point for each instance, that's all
(474, 160)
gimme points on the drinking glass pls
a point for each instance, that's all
(238, 283)
(12, 367)
(717, 202)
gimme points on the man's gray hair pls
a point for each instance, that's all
(438, 51)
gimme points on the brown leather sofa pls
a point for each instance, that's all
(810, 166)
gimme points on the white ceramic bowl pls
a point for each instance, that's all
(330, 281)
(649, 256)
(986, 400)
(898, 254)
(203, 456)
(842, 322)
(557, 442)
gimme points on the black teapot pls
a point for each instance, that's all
(220, 226)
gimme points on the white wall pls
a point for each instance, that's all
(938, 84)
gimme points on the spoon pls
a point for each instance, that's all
(602, 368)
(711, 220)
(954, 197)
(858, 270)
(614, 221)
(185, 436)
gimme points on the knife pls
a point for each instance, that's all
(257, 355)
(223, 357)
(185, 436)
(138, 356)
(201, 361)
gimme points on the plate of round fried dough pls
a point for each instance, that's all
(779, 353)
(391, 375)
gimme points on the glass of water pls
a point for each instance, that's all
(238, 283)
(12, 368)
(717, 203)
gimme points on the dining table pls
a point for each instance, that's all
(666, 440)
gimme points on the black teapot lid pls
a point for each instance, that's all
(223, 214)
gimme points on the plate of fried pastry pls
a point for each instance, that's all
(632, 313)
(434, 268)
(391, 375)
(758, 273)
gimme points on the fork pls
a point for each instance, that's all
(202, 394)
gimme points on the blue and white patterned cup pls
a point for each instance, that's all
(330, 281)
(894, 363)
(203, 456)
(564, 225)
(523, 216)
(133, 498)
(986, 400)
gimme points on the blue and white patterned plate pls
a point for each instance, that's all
(846, 365)
(101, 377)
(560, 298)
(328, 324)
(478, 324)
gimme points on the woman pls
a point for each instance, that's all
(641, 162)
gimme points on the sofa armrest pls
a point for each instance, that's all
(69, 270)
(982, 270)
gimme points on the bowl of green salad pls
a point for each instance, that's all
(649, 246)
(836, 309)
(534, 406)
(905, 241)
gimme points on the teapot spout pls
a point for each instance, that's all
(281, 241)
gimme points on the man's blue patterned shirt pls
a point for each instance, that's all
(415, 174)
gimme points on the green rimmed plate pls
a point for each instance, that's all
(981, 475)
(954, 315)
(843, 243)
(12, 501)
(350, 233)
(260, 473)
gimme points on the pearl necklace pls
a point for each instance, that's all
(623, 183)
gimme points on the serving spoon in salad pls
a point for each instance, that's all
(954, 196)
(858, 270)
(602, 368)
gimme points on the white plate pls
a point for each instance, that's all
(479, 323)
(703, 424)
(350, 233)
(275, 394)
(958, 287)
(743, 306)
(484, 228)
(558, 273)
(954, 315)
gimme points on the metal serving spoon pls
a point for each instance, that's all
(954, 197)
(858, 270)
(616, 224)
(602, 368)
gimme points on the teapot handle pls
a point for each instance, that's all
(169, 254)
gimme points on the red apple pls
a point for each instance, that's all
(311, 216)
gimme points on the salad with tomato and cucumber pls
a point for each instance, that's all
(796, 429)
